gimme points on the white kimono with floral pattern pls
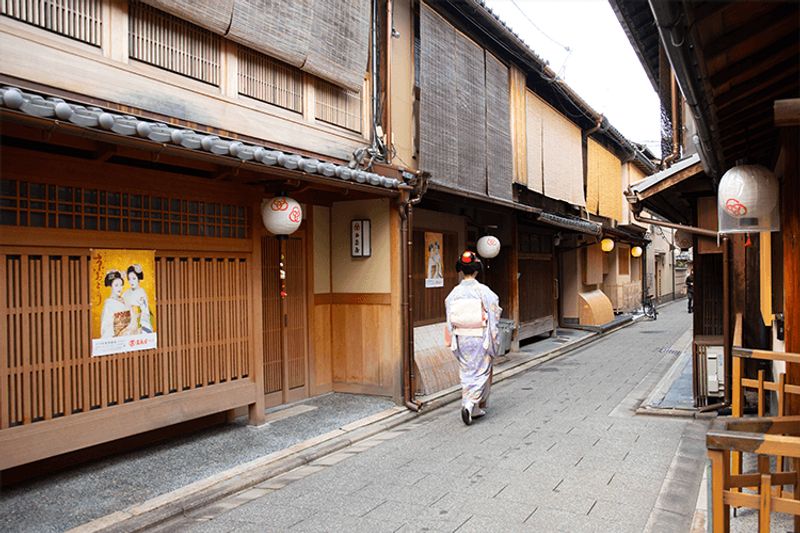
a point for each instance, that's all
(475, 350)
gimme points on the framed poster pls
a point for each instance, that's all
(434, 273)
(122, 290)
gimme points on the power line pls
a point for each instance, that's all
(540, 30)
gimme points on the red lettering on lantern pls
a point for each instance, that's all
(295, 215)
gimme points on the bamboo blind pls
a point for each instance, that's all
(336, 105)
(438, 124)
(168, 42)
(214, 15)
(31, 204)
(555, 154)
(339, 42)
(78, 19)
(271, 81)
(499, 152)
(453, 105)
(46, 370)
(604, 182)
(326, 39)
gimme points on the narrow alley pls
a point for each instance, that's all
(561, 449)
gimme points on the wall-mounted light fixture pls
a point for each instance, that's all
(636, 251)
(360, 238)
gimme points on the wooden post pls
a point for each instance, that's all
(256, 413)
(513, 286)
(796, 464)
(737, 410)
(790, 226)
(765, 497)
(720, 512)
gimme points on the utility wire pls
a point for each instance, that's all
(540, 30)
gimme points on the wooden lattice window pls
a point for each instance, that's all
(46, 370)
(173, 44)
(78, 19)
(269, 80)
(338, 106)
(41, 205)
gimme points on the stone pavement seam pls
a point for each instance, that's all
(205, 492)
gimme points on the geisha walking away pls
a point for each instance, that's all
(473, 311)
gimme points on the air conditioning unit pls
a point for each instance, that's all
(715, 371)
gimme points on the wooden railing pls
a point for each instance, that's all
(777, 436)
(740, 383)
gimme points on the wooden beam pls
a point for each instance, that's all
(780, 48)
(750, 30)
(787, 112)
(676, 178)
(784, 72)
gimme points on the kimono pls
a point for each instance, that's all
(116, 318)
(138, 298)
(473, 312)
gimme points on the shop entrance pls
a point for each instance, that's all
(537, 303)
(284, 319)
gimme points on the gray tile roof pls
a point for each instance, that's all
(97, 118)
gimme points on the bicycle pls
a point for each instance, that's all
(649, 308)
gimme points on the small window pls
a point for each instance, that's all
(81, 21)
(338, 106)
(267, 79)
(167, 42)
(91, 209)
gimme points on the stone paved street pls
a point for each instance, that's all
(560, 450)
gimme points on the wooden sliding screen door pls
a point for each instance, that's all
(285, 320)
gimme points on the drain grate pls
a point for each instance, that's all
(652, 331)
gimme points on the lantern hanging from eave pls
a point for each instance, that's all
(747, 200)
(488, 246)
(281, 215)
(636, 251)
(607, 244)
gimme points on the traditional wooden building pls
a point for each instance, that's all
(497, 134)
(159, 128)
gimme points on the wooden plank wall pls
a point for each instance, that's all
(54, 396)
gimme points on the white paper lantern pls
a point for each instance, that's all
(748, 191)
(683, 239)
(488, 246)
(281, 215)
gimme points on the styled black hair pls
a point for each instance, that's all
(469, 263)
(136, 269)
(111, 276)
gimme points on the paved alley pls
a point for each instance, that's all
(560, 450)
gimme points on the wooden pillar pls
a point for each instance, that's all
(256, 409)
(787, 113)
(513, 286)
(720, 512)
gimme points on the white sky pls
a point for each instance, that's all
(601, 67)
